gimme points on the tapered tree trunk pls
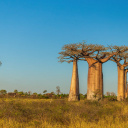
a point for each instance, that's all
(121, 83)
(95, 80)
(74, 88)
(126, 94)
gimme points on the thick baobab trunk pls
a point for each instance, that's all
(99, 81)
(74, 88)
(126, 93)
(121, 83)
(95, 80)
(91, 83)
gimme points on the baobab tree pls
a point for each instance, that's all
(121, 59)
(57, 90)
(126, 82)
(71, 53)
(95, 57)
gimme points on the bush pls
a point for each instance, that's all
(111, 98)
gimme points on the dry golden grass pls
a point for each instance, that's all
(38, 113)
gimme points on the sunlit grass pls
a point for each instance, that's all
(59, 113)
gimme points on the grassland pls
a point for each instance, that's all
(59, 113)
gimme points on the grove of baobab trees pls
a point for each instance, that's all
(95, 55)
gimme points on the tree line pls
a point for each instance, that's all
(35, 95)
(111, 96)
(95, 55)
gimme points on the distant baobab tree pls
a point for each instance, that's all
(95, 55)
(121, 59)
(108, 93)
(57, 90)
(71, 53)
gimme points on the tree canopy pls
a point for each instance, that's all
(69, 53)
(121, 58)
(80, 51)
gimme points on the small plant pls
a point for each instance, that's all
(111, 98)
(97, 94)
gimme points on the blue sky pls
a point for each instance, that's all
(32, 33)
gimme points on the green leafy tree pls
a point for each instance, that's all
(21, 93)
(44, 91)
(52, 93)
(3, 91)
(15, 91)
(35, 94)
